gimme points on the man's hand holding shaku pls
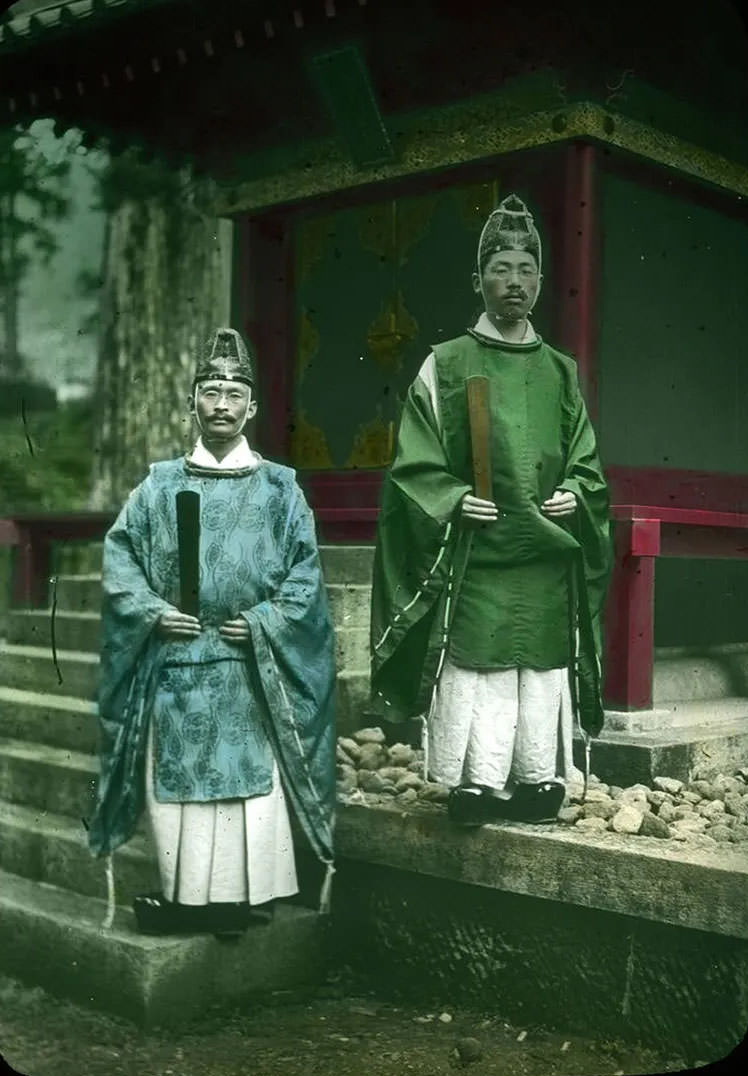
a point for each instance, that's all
(562, 503)
(477, 510)
(175, 625)
(235, 631)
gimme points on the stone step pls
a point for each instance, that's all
(47, 778)
(73, 630)
(352, 700)
(52, 848)
(32, 668)
(56, 720)
(350, 605)
(52, 938)
(78, 593)
(75, 557)
(686, 675)
(352, 649)
(627, 757)
(347, 563)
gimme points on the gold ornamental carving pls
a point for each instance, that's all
(373, 444)
(308, 444)
(390, 332)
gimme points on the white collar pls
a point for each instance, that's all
(486, 327)
(239, 457)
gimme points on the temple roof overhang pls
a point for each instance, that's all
(285, 99)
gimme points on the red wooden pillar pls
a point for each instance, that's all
(31, 568)
(629, 619)
(264, 302)
(579, 266)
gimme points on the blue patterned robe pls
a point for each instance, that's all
(219, 711)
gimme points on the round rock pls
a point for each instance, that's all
(722, 834)
(410, 780)
(372, 756)
(666, 812)
(401, 754)
(570, 815)
(363, 736)
(653, 826)
(371, 781)
(408, 795)
(735, 805)
(701, 788)
(350, 747)
(668, 784)
(469, 1050)
(599, 809)
(627, 819)
(711, 809)
(656, 798)
(592, 825)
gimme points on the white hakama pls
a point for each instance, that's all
(225, 850)
(500, 727)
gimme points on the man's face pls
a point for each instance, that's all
(223, 407)
(509, 284)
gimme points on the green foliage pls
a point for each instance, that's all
(53, 472)
(27, 174)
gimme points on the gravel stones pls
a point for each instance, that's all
(367, 766)
(707, 812)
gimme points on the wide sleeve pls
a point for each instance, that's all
(417, 532)
(583, 476)
(293, 660)
(129, 665)
(130, 607)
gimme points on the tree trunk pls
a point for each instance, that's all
(164, 286)
(9, 275)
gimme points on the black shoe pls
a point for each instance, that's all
(155, 914)
(535, 803)
(470, 805)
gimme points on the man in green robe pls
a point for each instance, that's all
(485, 613)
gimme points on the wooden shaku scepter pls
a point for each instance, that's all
(479, 420)
(188, 544)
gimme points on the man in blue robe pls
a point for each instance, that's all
(213, 723)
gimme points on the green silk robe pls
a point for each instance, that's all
(506, 594)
